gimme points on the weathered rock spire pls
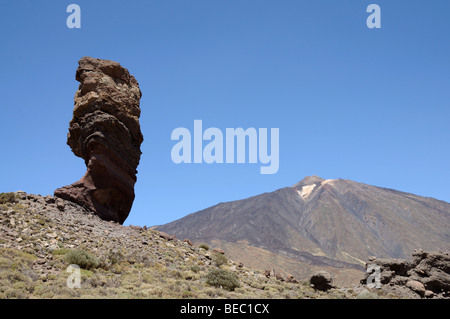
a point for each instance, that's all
(105, 132)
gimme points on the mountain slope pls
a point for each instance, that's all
(337, 223)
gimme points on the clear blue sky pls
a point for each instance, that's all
(371, 105)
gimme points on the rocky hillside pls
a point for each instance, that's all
(336, 224)
(40, 237)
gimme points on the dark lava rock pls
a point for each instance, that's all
(321, 280)
(427, 274)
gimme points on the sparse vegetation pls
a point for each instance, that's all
(195, 268)
(365, 294)
(222, 278)
(115, 257)
(60, 251)
(82, 258)
(219, 259)
(118, 262)
(7, 198)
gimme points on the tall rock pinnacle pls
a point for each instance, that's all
(105, 132)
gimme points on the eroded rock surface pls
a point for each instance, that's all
(426, 275)
(105, 132)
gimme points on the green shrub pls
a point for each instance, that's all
(204, 246)
(7, 198)
(219, 259)
(175, 273)
(82, 258)
(223, 278)
(60, 251)
(115, 257)
(195, 268)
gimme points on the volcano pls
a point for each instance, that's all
(335, 224)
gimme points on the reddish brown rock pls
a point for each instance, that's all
(279, 277)
(105, 132)
(416, 286)
(219, 251)
(290, 278)
(186, 240)
(165, 236)
(269, 273)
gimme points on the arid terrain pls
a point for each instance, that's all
(41, 236)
